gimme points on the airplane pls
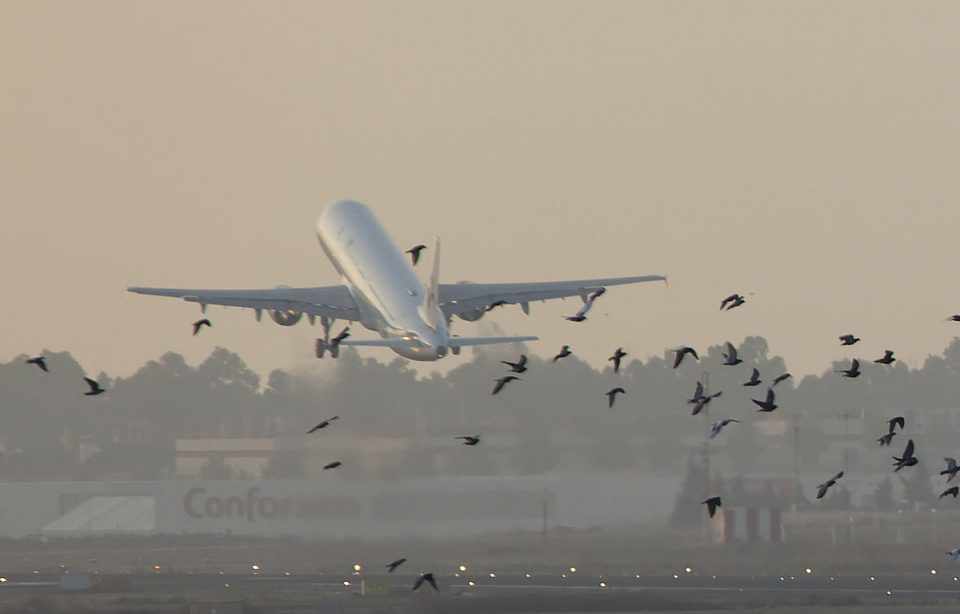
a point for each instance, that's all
(381, 291)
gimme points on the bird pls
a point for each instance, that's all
(697, 394)
(717, 426)
(885, 440)
(95, 388)
(769, 403)
(612, 395)
(41, 362)
(823, 488)
(853, 371)
(616, 358)
(754, 379)
(503, 381)
(392, 567)
(780, 378)
(954, 555)
(702, 402)
(907, 460)
(886, 359)
(581, 314)
(848, 339)
(341, 336)
(469, 440)
(954, 318)
(953, 491)
(323, 425)
(734, 300)
(730, 358)
(200, 324)
(596, 294)
(681, 353)
(952, 468)
(428, 578)
(517, 367)
(712, 504)
(896, 421)
(332, 465)
(564, 352)
(415, 253)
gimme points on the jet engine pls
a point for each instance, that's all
(473, 315)
(287, 317)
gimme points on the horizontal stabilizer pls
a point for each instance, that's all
(468, 341)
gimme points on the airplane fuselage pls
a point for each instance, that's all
(389, 295)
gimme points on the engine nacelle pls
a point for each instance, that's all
(474, 315)
(288, 317)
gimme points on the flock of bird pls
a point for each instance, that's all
(700, 399)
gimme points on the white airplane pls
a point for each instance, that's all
(381, 291)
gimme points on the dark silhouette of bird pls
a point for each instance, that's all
(848, 339)
(885, 440)
(697, 394)
(754, 379)
(681, 353)
(564, 352)
(428, 578)
(95, 388)
(823, 488)
(954, 318)
(713, 503)
(886, 359)
(469, 440)
(323, 425)
(40, 361)
(952, 468)
(853, 371)
(895, 422)
(612, 395)
(392, 567)
(616, 358)
(200, 324)
(732, 301)
(517, 367)
(768, 404)
(780, 378)
(581, 314)
(415, 253)
(730, 357)
(596, 294)
(717, 426)
(340, 336)
(503, 381)
(332, 465)
(907, 460)
(700, 400)
(953, 491)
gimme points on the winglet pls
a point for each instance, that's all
(431, 306)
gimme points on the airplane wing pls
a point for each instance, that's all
(330, 301)
(466, 297)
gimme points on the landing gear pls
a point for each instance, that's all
(324, 343)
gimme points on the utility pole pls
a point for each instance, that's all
(796, 462)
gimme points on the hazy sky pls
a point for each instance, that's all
(804, 151)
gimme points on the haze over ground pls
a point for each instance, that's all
(804, 152)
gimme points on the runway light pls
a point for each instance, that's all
(286, 573)
(493, 575)
(781, 578)
(688, 570)
(676, 576)
(872, 578)
(3, 580)
(255, 567)
(808, 571)
(956, 579)
(933, 572)
(156, 568)
(603, 584)
(637, 576)
(573, 570)
(889, 593)
(462, 568)
(527, 575)
(346, 582)
(471, 583)
(357, 567)
(226, 586)
(563, 575)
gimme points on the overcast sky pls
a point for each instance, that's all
(804, 151)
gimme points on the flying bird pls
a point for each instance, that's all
(323, 425)
(517, 367)
(823, 488)
(754, 379)
(954, 318)
(895, 422)
(95, 388)
(953, 491)
(907, 460)
(769, 403)
(712, 504)
(428, 578)
(415, 253)
(886, 359)
(596, 294)
(853, 371)
(564, 352)
(41, 362)
(503, 381)
(717, 426)
(731, 302)
(616, 358)
(848, 339)
(952, 468)
(332, 465)
(392, 567)
(885, 440)
(200, 324)
(703, 401)
(730, 358)
(612, 395)
(340, 336)
(780, 378)
(681, 354)
(469, 440)
(954, 555)
(581, 314)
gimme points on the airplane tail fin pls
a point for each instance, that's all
(431, 307)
